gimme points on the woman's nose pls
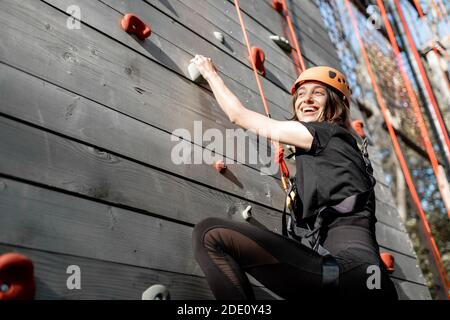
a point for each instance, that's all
(308, 97)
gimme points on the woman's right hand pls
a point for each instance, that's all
(205, 66)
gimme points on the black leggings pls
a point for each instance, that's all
(226, 250)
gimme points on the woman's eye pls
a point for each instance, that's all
(320, 93)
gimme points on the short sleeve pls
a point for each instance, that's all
(321, 132)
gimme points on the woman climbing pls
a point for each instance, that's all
(331, 249)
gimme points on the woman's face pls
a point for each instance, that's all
(311, 101)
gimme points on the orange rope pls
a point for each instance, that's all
(293, 36)
(423, 74)
(414, 103)
(279, 150)
(398, 151)
(437, 10)
(405, 25)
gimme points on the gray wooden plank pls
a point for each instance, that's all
(112, 281)
(378, 173)
(306, 18)
(56, 222)
(61, 111)
(102, 280)
(133, 84)
(411, 291)
(383, 193)
(389, 215)
(51, 221)
(49, 159)
(187, 43)
(392, 239)
(42, 157)
(406, 268)
(319, 53)
(201, 17)
(375, 155)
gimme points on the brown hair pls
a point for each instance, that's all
(335, 110)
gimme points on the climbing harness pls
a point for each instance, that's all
(16, 277)
(133, 25)
(353, 203)
(330, 267)
(311, 237)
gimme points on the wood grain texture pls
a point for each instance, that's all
(180, 45)
(51, 160)
(102, 280)
(56, 109)
(49, 220)
(132, 84)
(90, 112)
(318, 49)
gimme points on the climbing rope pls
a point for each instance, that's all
(293, 38)
(423, 73)
(415, 105)
(398, 151)
(279, 151)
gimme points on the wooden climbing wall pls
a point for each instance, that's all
(86, 117)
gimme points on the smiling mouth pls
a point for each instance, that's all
(309, 110)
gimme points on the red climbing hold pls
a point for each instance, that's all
(220, 166)
(388, 260)
(358, 126)
(16, 277)
(258, 57)
(277, 5)
(132, 24)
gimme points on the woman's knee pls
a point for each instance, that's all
(201, 228)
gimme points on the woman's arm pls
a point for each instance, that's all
(288, 132)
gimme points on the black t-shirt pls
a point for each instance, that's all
(329, 172)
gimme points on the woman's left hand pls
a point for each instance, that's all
(204, 65)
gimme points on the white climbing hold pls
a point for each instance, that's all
(247, 214)
(156, 292)
(219, 36)
(282, 42)
(194, 74)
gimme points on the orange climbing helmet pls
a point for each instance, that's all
(326, 75)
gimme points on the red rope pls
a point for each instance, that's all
(398, 151)
(414, 103)
(279, 150)
(423, 74)
(293, 36)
